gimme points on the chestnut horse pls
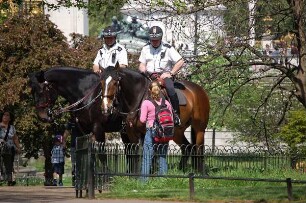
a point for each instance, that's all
(128, 88)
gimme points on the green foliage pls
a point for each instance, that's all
(237, 11)
(293, 132)
(255, 120)
(239, 101)
(221, 81)
(278, 11)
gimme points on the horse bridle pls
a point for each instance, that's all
(112, 107)
(71, 108)
(46, 91)
(115, 99)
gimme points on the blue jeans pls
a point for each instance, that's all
(148, 152)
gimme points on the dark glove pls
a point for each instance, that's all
(145, 74)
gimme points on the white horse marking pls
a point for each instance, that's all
(105, 99)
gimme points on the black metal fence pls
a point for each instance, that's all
(98, 162)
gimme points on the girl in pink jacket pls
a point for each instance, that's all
(147, 116)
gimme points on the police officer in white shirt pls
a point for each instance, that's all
(111, 52)
(160, 57)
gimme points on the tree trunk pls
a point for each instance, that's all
(298, 7)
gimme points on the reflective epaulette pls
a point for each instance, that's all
(167, 45)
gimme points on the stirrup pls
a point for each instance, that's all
(177, 120)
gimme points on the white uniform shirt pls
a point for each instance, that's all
(109, 57)
(161, 59)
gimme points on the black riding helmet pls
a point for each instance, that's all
(155, 33)
(108, 32)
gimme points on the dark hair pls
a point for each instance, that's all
(57, 138)
(12, 117)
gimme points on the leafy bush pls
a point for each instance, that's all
(28, 44)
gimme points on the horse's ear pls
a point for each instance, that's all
(40, 76)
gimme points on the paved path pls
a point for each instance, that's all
(40, 194)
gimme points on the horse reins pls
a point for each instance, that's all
(137, 110)
(72, 106)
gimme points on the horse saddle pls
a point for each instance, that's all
(178, 86)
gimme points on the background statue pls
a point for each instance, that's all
(136, 29)
(116, 24)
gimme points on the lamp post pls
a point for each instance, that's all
(213, 142)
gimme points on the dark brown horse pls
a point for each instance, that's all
(82, 89)
(128, 88)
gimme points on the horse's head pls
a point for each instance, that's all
(44, 95)
(110, 87)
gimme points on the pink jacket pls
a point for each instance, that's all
(147, 111)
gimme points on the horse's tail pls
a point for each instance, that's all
(193, 136)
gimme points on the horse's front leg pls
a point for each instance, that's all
(183, 143)
(98, 132)
(100, 151)
(98, 139)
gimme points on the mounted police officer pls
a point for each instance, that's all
(111, 52)
(160, 57)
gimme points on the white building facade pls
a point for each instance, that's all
(179, 30)
(69, 20)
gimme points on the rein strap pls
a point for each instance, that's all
(68, 108)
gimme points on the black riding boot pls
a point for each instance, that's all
(176, 107)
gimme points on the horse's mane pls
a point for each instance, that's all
(132, 71)
(111, 71)
(71, 72)
(68, 75)
(70, 68)
(133, 86)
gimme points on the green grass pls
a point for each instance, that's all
(273, 193)
(211, 190)
(206, 190)
(39, 165)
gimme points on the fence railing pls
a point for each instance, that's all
(97, 162)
